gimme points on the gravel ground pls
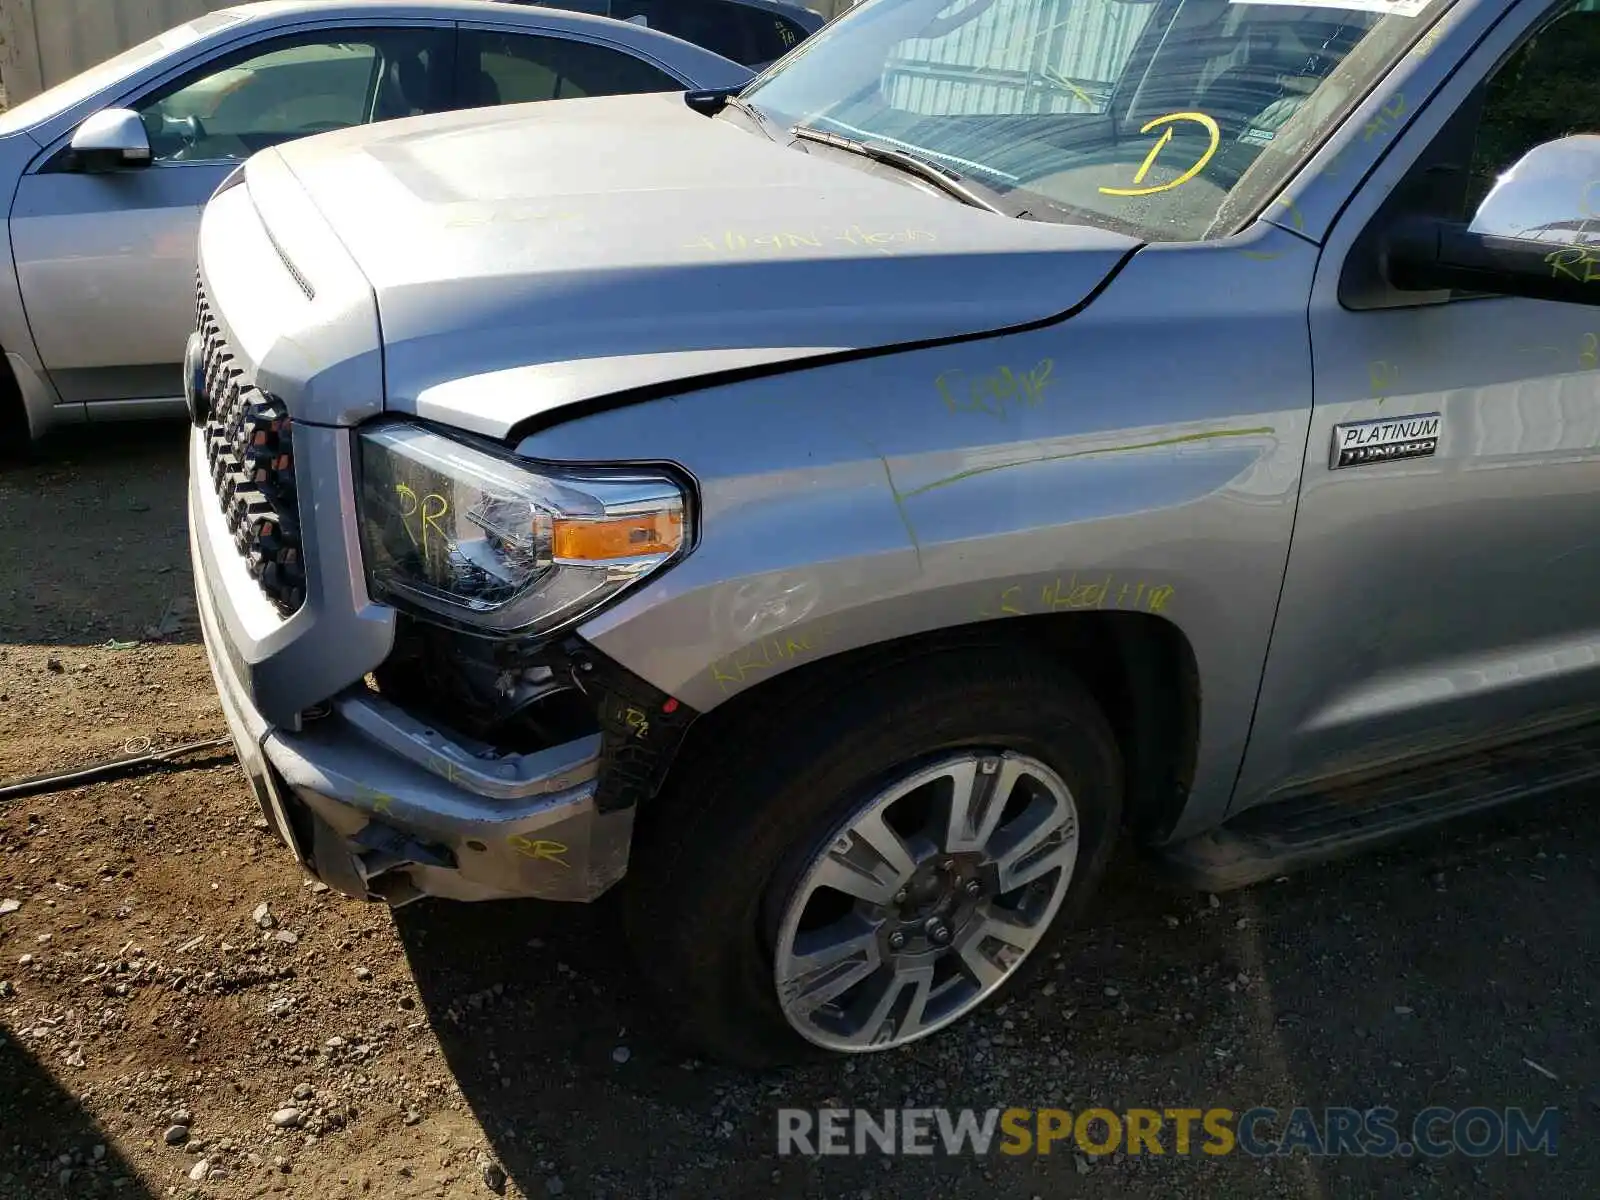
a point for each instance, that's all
(181, 1013)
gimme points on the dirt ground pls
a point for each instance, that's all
(162, 1033)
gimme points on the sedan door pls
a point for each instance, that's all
(106, 260)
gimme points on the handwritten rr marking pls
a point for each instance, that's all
(427, 510)
(1198, 118)
(1566, 261)
(539, 849)
(434, 506)
(990, 393)
(408, 508)
(765, 655)
(638, 724)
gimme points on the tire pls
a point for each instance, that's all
(16, 444)
(756, 798)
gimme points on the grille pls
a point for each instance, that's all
(250, 446)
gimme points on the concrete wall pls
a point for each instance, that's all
(47, 41)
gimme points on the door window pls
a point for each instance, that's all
(736, 31)
(292, 89)
(510, 68)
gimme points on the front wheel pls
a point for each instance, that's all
(867, 866)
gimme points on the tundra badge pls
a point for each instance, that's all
(1362, 442)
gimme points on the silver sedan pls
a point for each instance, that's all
(109, 170)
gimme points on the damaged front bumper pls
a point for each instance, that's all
(380, 805)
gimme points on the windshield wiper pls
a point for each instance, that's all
(942, 177)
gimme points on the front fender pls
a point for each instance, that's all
(1067, 468)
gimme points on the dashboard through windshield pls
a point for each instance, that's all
(1145, 116)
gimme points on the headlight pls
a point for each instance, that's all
(496, 544)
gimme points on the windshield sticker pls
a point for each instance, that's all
(1393, 8)
(1198, 118)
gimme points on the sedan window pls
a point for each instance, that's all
(113, 71)
(294, 88)
(732, 30)
(508, 68)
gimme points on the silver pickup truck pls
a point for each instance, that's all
(843, 511)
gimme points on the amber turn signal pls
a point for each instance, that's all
(617, 537)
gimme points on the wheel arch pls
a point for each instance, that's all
(1140, 668)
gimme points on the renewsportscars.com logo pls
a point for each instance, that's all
(1259, 1132)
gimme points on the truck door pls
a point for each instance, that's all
(1443, 584)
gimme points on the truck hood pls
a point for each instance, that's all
(538, 255)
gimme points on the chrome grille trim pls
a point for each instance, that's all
(250, 448)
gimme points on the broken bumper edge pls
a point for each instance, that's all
(379, 808)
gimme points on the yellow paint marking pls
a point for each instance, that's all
(540, 850)
(1198, 118)
(1183, 439)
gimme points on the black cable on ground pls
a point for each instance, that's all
(59, 780)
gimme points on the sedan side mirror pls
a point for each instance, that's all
(111, 140)
(1534, 235)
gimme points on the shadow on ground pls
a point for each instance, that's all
(1455, 970)
(48, 1147)
(94, 539)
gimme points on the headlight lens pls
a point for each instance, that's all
(489, 542)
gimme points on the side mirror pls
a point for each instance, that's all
(1534, 235)
(111, 141)
(710, 101)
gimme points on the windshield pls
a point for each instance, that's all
(1145, 116)
(110, 73)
